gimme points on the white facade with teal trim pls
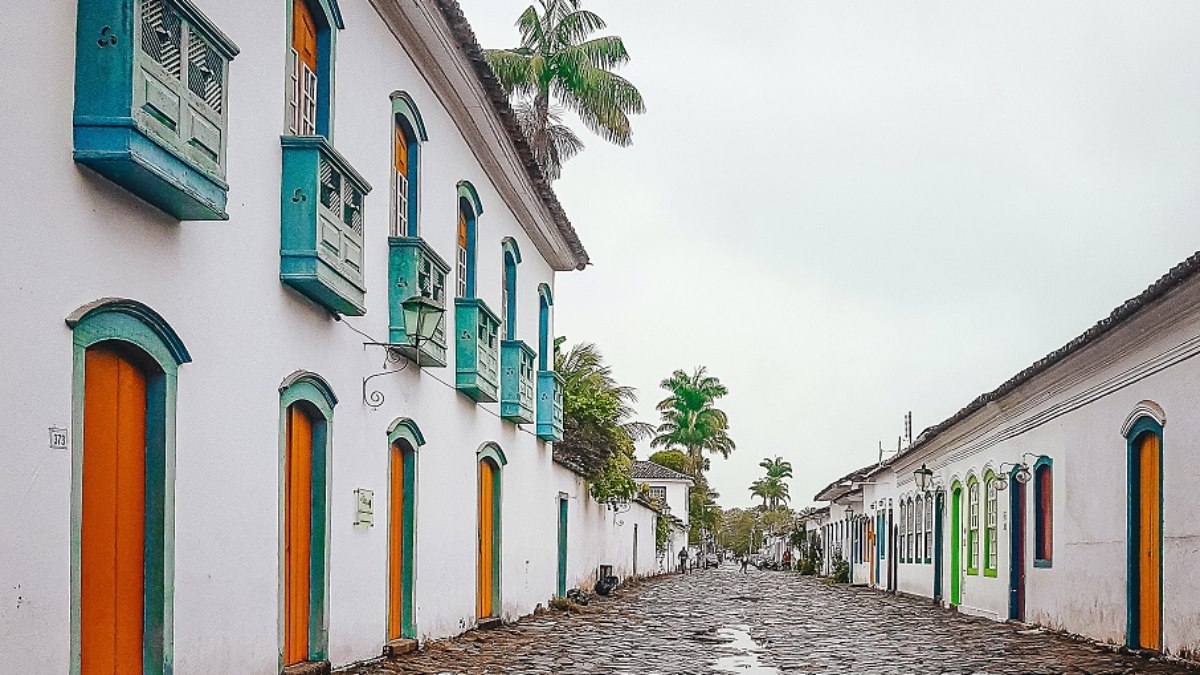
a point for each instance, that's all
(106, 224)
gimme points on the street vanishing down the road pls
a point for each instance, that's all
(761, 623)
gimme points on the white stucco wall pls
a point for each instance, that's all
(217, 283)
(1074, 413)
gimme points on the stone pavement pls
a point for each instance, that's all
(763, 623)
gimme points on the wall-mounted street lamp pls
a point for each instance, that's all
(1022, 474)
(849, 512)
(422, 319)
(924, 478)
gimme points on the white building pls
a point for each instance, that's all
(1065, 497)
(233, 446)
(671, 489)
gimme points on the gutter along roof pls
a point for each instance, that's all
(467, 42)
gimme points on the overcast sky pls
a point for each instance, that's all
(848, 210)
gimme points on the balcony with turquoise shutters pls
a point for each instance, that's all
(152, 101)
(416, 272)
(477, 356)
(549, 406)
(321, 250)
(516, 382)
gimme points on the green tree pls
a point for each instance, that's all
(559, 65)
(777, 467)
(690, 419)
(772, 490)
(675, 460)
(598, 427)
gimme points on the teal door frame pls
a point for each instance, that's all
(562, 546)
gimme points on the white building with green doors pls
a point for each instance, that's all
(1064, 497)
(281, 313)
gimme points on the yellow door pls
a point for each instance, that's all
(486, 538)
(298, 537)
(1149, 543)
(114, 512)
(396, 546)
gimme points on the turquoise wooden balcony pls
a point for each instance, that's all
(152, 102)
(477, 355)
(321, 243)
(416, 271)
(516, 382)
(549, 406)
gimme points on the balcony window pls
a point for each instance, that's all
(312, 37)
(409, 134)
(151, 102)
(477, 355)
(322, 222)
(415, 270)
(516, 382)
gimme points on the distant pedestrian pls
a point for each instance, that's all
(787, 560)
(745, 564)
(683, 560)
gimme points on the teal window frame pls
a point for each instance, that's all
(1144, 425)
(549, 383)
(407, 116)
(508, 308)
(143, 125)
(312, 391)
(405, 431)
(329, 21)
(470, 206)
(139, 327)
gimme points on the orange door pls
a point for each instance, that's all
(396, 546)
(486, 537)
(1149, 543)
(298, 535)
(114, 514)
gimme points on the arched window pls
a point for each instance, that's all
(912, 516)
(929, 529)
(919, 531)
(313, 31)
(903, 529)
(508, 286)
(126, 365)
(972, 525)
(406, 153)
(306, 420)
(1043, 512)
(990, 540)
(469, 210)
(545, 302)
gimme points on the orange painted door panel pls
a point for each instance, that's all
(1149, 544)
(298, 537)
(396, 546)
(401, 152)
(304, 34)
(486, 538)
(114, 515)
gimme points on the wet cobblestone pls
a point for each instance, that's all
(698, 624)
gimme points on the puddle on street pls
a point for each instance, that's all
(744, 659)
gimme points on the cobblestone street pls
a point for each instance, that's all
(762, 623)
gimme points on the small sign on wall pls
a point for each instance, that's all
(364, 509)
(58, 438)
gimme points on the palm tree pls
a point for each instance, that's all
(690, 420)
(598, 423)
(558, 59)
(777, 468)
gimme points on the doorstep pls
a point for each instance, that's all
(308, 668)
(399, 647)
(490, 623)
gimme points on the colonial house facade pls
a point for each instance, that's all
(1064, 498)
(671, 490)
(279, 352)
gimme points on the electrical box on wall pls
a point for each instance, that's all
(364, 507)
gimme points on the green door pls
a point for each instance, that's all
(955, 547)
(562, 547)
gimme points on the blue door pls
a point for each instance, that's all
(938, 513)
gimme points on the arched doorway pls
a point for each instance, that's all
(404, 440)
(1016, 558)
(126, 366)
(490, 462)
(956, 544)
(1145, 534)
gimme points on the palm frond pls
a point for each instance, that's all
(514, 70)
